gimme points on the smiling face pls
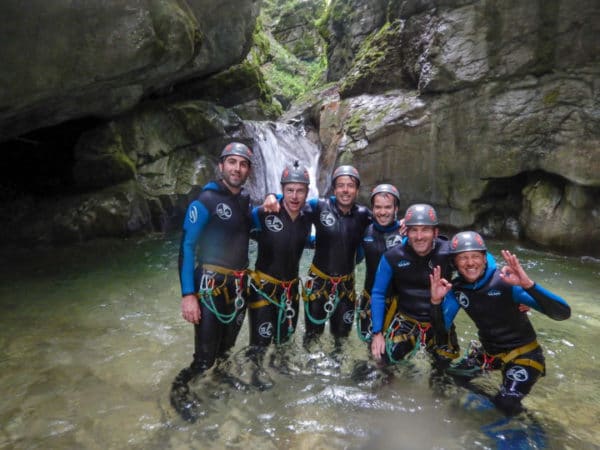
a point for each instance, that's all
(421, 237)
(384, 209)
(345, 191)
(470, 265)
(234, 172)
(294, 197)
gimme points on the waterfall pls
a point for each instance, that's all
(276, 145)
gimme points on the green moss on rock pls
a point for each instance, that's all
(377, 65)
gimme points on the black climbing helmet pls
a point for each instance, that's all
(238, 149)
(345, 170)
(388, 189)
(295, 173)
(467, 241)
(420, 214)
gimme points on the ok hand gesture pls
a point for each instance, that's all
(513, 273)
(439, 286)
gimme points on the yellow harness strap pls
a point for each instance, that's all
(531, 363)
(223, 270)
(218, 290)
(413, 321)
(324, 276)
(261, 278)
(513, 356)
(313, 296)
(509, 356)
(391, 304)
(391, 312)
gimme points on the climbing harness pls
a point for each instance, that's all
(208, 290)
(406, 329)
(333, 296)
(286, 312)
(475, 359)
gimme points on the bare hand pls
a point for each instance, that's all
(190, 308)
(271, 205)
(378, 346)
(513, 272)
(402, 229)
(524, 308)
(439, 286)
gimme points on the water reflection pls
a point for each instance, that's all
(91, 339)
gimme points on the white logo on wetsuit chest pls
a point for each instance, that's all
(224, 211)
(462, 299)
(494, 293)
(392, 240)
(403, 263)
(193, 214)
(273, 223)
(327, 218)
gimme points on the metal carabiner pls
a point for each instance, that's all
(290, 313)
(239, 302)
(329, 305)
(207, 282)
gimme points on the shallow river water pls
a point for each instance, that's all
(91, 338)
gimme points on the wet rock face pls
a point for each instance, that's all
(489, 110)
(292, 24)
(63, 60)
(481, 109)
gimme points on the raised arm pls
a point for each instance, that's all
(527, 292)
(271, 203)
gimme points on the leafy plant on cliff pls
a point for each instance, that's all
(286, 75)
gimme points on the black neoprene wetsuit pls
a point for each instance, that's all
(274, 294)
(376, 241)
(216, 233)
(408, 275)
(507, 336)
(331, 295)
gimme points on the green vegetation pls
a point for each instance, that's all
(374, 66)
(286, 75)
(291, 78)
(551, 97)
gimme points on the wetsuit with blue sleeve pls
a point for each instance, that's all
(330, 290)
(508, 339)
(213, 257)
(273, 294)
(376, 241)
(408, 275)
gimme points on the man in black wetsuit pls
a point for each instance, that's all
(340, 224)
(383, 234)
(274, 294)
(406, 269)
(491, 297)
(213, 260)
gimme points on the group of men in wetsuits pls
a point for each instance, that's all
(408, 302)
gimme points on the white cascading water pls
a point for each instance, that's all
(277, 145)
